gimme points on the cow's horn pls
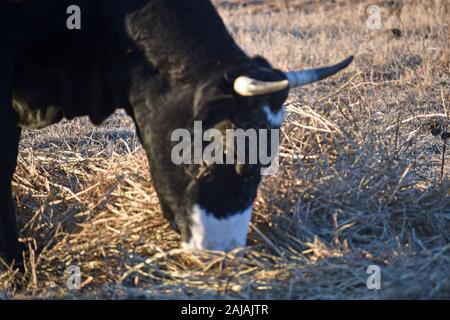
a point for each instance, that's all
(249, 87)
(300, 78)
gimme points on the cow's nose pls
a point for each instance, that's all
(208, 232)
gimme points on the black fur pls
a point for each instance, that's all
(166, 62)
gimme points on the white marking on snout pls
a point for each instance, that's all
(211, 233)
(275, 119)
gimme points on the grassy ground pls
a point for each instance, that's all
(363, 180)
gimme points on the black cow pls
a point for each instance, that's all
(168, 63)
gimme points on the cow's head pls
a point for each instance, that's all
(210, 201)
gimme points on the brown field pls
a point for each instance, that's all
(363, 180)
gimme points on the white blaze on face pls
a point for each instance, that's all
(275, 119)
(211, 233)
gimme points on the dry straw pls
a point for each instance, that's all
(360, 182)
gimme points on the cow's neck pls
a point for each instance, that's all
(183, 39)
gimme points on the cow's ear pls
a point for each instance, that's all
(262, 62)
(211, 103)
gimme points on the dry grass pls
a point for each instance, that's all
(363, 181)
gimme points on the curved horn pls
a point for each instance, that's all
(300, 78)
(250, 87)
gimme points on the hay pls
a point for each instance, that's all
(360, 182)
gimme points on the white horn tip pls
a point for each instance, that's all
(243, 86)
(249, 87)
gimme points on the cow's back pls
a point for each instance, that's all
(58, 71)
